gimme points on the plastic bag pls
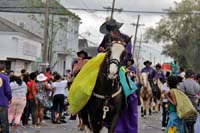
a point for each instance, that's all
(128, 85)
(83, 85)
(184, 107)
(197, 125)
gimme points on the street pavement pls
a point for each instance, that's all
(150, 124)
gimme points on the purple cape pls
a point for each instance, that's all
(128, 123)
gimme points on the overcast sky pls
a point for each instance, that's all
(91, 21)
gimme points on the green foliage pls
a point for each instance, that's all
(180, 31)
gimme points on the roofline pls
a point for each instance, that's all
(21, 34)
(20, 30)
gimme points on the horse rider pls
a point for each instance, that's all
(160, 74)
(150, 70)
(111, 32)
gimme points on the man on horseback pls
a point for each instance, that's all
(152, 81)
(112, 33)
(150, 70)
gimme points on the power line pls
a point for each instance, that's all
(105, 10)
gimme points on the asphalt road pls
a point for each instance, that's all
(150, 124)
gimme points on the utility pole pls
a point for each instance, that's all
(113, 9)
(46, 28)
(138, 55)
(136, 30)
(150, 55)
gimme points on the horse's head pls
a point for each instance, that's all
(115, 57)
(144, 79)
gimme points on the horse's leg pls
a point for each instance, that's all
(142, 111)
(114, 122)
(95, 126)
(150, 102)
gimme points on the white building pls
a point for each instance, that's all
(19, 48)
(65, 26)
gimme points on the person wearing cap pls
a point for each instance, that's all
(5, 99)
(43, 102)
(111, 32)
(190, 87)
(160, 74)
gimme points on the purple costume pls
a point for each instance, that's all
(107, 39)
(128, 122)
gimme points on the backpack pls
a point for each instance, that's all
(185, 108)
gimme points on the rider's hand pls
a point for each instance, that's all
(102, 49)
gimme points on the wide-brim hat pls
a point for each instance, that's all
(158, 65)
(147, 62)
(110, 25)
(82, 52)
(41, 77)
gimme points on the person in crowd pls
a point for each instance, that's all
(190, 87)
(43, 101)
(11, 73)
(165, 89)
(26, 112)
(174, 120)
(59, 87)
(181, 73)
(111, 32)
(197, 78)
(131, 69)
(48, 73)
(5, 99)
(19, 90)
(33, 102)
(80, 62)
(160, 74)
(23, 72)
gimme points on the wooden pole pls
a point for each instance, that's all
(112, 11)
(46, 28)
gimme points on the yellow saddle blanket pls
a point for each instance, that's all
(83, 85)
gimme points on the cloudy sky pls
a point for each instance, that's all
(91, 21)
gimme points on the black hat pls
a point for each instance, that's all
(110, 25)
(82, 52)
(147, 62)
(158, 65)
(131, 60)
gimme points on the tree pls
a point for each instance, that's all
(180, 31)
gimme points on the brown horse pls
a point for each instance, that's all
(107, 101)
(145, 94)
